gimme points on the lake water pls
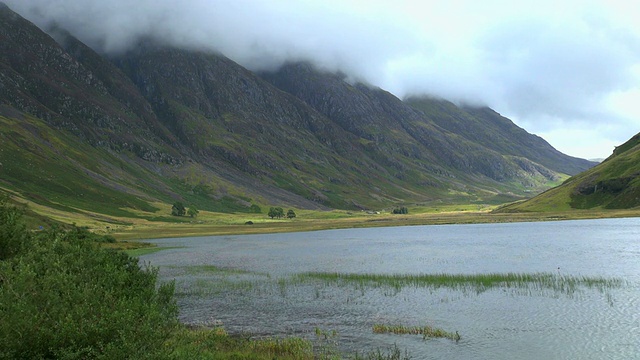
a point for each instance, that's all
(251, 289)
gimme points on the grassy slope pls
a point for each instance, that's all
(58, 172)
(613, 184)
(55, 169)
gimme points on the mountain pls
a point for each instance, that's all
(485, 126)
(612, 184)
(429, 136)
(83, 131)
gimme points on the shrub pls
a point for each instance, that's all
(178, 209)
(13, 233)
(62, 296)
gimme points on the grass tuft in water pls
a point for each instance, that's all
(566, 284)
(215, 270)
(425, 331)
(393, 353)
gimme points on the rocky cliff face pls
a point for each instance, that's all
(197, 126)
(76, 90)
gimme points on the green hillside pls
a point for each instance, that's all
(613, 184)
(56, 169)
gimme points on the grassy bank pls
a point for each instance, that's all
(316, 220)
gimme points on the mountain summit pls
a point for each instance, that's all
(118, 134)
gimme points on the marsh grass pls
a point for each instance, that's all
(478, 283)
(546, 284)
(393, 353)
(207, 287)
(216, 344)
(425, 331)
(215, 270)
(145, 250)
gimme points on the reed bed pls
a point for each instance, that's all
(566, 284)
(425, 331)
(215, 270)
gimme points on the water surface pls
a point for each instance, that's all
(249, 290)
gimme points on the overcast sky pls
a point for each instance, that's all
(568, 71)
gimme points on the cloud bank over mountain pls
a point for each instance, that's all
(568, 71)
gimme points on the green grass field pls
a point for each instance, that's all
(156, 222)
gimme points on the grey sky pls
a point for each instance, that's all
(568, 71)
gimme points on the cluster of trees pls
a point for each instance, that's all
(400, 210)
(62, 296)
(278, 212)
(178, 209)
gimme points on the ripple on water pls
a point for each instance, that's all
(495, 324)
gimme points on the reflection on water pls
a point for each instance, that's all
(277, 284)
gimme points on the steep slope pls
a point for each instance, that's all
(55, 116)
(612, 184)
(485, 126)
(428, 137)
(39, 77)
(228, 116)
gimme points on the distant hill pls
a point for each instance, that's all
(118, 135)
(612, 184)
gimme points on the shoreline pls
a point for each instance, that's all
(141, 232)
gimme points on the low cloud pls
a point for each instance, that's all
(548, 65)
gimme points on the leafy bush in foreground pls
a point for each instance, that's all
(61, 296)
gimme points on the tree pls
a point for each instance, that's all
(402, 210)
(193, 211)
(178, 209)
(275, 212)
(291, 214)
(255, 209)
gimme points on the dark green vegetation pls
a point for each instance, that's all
(400, 210)
(612, 184)
(63, 297)
(128, 135)
(276, 212)
(178, 209)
